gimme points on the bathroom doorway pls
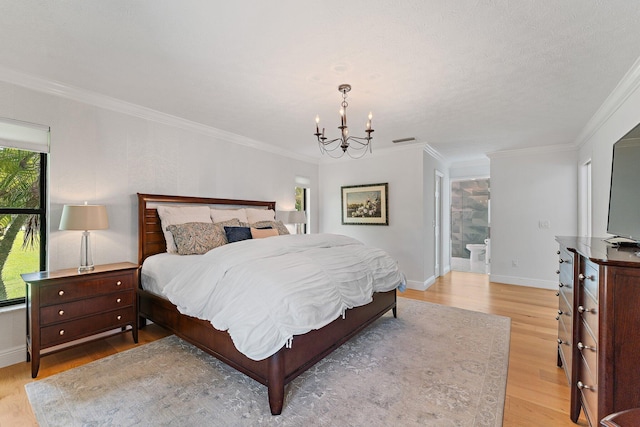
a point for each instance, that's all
(470, 231)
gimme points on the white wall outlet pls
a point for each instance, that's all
(544, 223)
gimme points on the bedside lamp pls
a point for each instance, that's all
(292, 217)
(84, 217)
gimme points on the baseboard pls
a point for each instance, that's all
(524, 281)
(421, 286)
(14, 355)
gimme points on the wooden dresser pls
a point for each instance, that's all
(64, 305)
(599, 325)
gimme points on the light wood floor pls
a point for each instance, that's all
(537, 391)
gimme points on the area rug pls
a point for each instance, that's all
(433, 365)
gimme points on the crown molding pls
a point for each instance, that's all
(435, 154)
(532, 150)
(627, 86)
(103, 101)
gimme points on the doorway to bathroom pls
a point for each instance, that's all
(470, 225)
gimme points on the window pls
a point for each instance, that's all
(23, 198)
(302, 204)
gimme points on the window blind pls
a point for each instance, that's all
(24, 135)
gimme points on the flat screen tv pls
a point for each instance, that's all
(624, 194)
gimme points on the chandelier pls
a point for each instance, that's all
(354, 146)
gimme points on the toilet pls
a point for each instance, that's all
(478, 252)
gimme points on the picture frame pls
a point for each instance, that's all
(365, 204)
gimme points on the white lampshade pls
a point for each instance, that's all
(291, 217)
(297, 217)
(84, 217)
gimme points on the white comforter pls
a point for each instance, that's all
(265, 291)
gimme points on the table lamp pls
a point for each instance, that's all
(292, 217)
(84, 217)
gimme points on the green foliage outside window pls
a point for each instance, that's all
(19, 219)
(299, 198)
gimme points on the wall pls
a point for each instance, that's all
(404, 239)
(533, 199)
(618, 115)
(104, 156)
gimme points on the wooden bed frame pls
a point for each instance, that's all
(277, 370)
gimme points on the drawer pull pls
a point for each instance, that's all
(561, 285)
(564, 260)
(118, 283)
(583, 386)
(562, 342)
(583, 277)
(557, 293)
(60, 293)
(560, 312)
(61, 332)
(61, 313)
(557, 271)
(119, 317)
(118, 300)
(558, 252)
(581, 310)
(585, 347)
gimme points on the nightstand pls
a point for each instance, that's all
(64, 306)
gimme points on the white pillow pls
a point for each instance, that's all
(173, 215)
(220, 215)
(257, 215)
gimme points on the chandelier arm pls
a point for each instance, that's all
(329, 142)
(359, 138)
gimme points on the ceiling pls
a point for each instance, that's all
(467, 77)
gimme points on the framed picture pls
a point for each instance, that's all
(365, 204)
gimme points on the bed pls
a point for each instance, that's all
(274, 371)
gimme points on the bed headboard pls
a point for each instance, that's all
(150, 237)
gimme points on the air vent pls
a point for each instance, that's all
(396, 141)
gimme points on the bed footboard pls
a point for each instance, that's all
(281, 368)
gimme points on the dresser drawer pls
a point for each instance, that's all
(589, 398)
(588, 311)
(68, 311)
(588, 348)
(565, 349)
(68, 331)
(587, 376)
(69, 290)
(565, 315)
(566, 263)
(590, 272)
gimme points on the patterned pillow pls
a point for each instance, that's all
(172, 215)
(197, 238)
(279, 225)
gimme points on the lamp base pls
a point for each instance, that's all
(86, 260)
